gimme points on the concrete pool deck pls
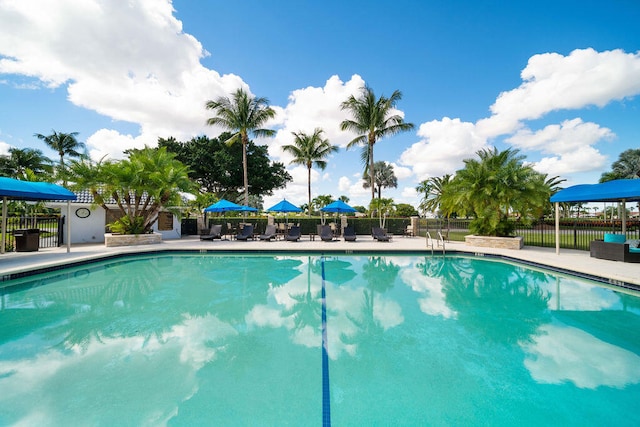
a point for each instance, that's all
(616, 273)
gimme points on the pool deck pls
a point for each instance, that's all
(616, 273)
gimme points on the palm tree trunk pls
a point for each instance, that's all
(371, 174)
(244, 169)
(309, 189)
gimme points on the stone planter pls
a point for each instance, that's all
(111, 240)
(494, 242)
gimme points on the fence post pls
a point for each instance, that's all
(60, 230)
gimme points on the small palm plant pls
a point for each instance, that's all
(493, 188)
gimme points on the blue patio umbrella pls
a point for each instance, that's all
(223, 205)
(284, 206)
(244, 208)
(338, 207)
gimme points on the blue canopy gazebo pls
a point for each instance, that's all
(14, 189)
(618, 190)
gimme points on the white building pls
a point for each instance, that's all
(88, 223)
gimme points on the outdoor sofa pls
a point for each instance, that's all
(615, 247)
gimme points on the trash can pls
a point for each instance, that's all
(27, 240)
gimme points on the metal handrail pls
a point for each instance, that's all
(441, 242)
(429, 241)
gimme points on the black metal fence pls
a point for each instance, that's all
(50, 230)
(396, 226)
(574, 233)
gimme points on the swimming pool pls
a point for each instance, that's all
(185, 339)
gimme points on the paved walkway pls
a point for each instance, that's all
(570, 260)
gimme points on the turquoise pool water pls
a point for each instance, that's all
(202, 339)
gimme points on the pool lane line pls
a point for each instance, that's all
(326, 397)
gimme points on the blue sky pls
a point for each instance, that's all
(558, 80)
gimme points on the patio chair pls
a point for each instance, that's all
(349, 234)
(246, 233)
(294, 234)
(326, 234)
(214, 233)
(269, 233)
(379, 234)
(408, 232)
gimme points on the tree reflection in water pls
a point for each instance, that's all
(380, 275)
(503, 308)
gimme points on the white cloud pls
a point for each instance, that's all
(551, 359)
(354, 190)
(130, 62)
(111, 144)
(583, 160)
(4, 148)
(569, 143)
(315, 107)
(444, 144)
(409, 194)
(554, 82)
(401, 172)
(551, 82)
(566, 137)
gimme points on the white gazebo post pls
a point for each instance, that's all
(557, 228)
(68, 224)
(4, 224)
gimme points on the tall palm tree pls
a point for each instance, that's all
(242, 114)
(65, 144)
(310, 150)
(383, 175)
(372, 119)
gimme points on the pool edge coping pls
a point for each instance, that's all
(61, 265)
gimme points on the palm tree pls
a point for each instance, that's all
(242, 114)
(141, 185)
(310, 150)
(384, 207)
(372, 120)
(432, 189)
(492, 188)
(63, 144)
(321, 201)
(384, 176)
(25, 163)
(626, 167)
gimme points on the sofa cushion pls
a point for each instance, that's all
(634, 250)
(614, 238)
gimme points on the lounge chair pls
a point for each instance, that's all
(326, 234)
(246, 233)
(269, 233)
(294, 234)
(380, 235)
(214, 233)
(349, 234)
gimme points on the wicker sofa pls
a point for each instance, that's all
(614, 251)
